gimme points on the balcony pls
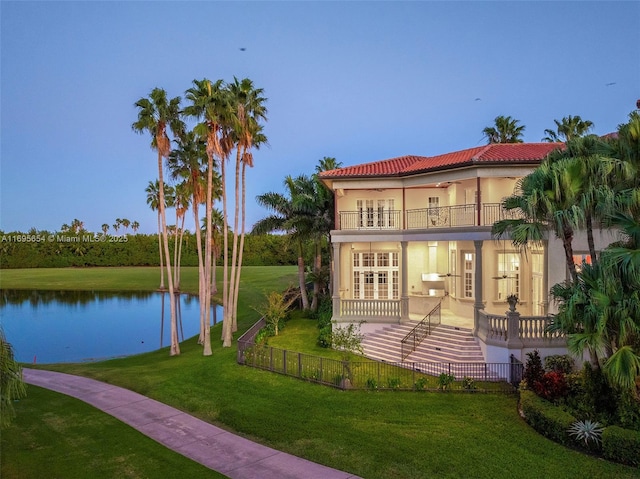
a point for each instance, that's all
(425, 218)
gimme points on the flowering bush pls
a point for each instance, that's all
(552, 386)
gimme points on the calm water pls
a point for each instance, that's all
(73, 326)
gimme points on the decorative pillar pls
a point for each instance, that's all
(514, 342)
(336, 281)
(404, 284)
(478, 304)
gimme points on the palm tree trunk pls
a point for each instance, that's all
(160, 249)
(301, 279)
(234, 253)
(179, 265)
(175, 344)
(201, 277)
(207, 258)
(317, 265)
(567, 243)
(240, 253)
(590, 240)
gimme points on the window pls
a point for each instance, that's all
(508, 274)
(469, 273)
(376, 275)
(579, 259)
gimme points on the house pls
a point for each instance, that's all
(413, 233)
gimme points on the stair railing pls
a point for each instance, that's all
(423, 329)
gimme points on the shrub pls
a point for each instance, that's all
(549, 420)
(324, 338)
(372, 384)
(420, 383)
(393, 383)
(445, 380)
(560, 363)
(468, 383)
(621, 445)
(533, 370)
(552, 386)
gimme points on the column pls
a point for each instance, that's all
(404, 284)
(478, 304)
(336, 281)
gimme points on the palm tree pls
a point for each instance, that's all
(505, 130)
(185, 162)
(126, 223)
(105, 228)
(286, 219)
(117, 224)
(155, 115)
(547, 199)
(209, 105)
(601, 311)
(181, 205)
(248, 109)
(566, 129)
(135, 226)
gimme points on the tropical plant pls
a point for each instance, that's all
(504, 130)
(12, 386)
(586, 431)
(156, 114)
(285, 218)
(546, 199)
(568, 128)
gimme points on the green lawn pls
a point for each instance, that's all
(381, 434)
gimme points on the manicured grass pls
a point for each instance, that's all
(58, 436)
(381, 434)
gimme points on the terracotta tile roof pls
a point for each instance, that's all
(496, 153)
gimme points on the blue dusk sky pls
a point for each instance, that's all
(358, 81)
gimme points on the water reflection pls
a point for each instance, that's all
(68, 326)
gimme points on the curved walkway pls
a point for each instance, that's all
(215, 448)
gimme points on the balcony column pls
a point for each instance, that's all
(336, 282)
(404, 284)
(478, 305)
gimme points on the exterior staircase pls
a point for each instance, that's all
(449, 349)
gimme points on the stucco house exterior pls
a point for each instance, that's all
(414, 232)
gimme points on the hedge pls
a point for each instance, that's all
(621, 445)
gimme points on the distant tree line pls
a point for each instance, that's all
(45, 249)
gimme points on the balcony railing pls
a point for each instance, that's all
(370, 220)
(425, 218)
(370, 307)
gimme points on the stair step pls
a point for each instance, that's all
(445, 344)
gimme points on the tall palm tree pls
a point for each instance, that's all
(181, 205)
(505, 130)
(566, 129)
(209, 104)
(156, 114)
(126, 223)
(105, 228)
(247, 107)
(186, 163)
(135, 226)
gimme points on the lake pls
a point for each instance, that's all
(74, 326)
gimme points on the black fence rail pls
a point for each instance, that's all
(375, 375)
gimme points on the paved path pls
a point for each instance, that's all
(215, 448)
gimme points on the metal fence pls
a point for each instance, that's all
(377, 375)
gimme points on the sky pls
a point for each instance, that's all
(357, 81)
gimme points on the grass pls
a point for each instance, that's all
(58, 436)
(371, 434)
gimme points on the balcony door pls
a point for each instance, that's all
(375, 275)
(376, 214)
